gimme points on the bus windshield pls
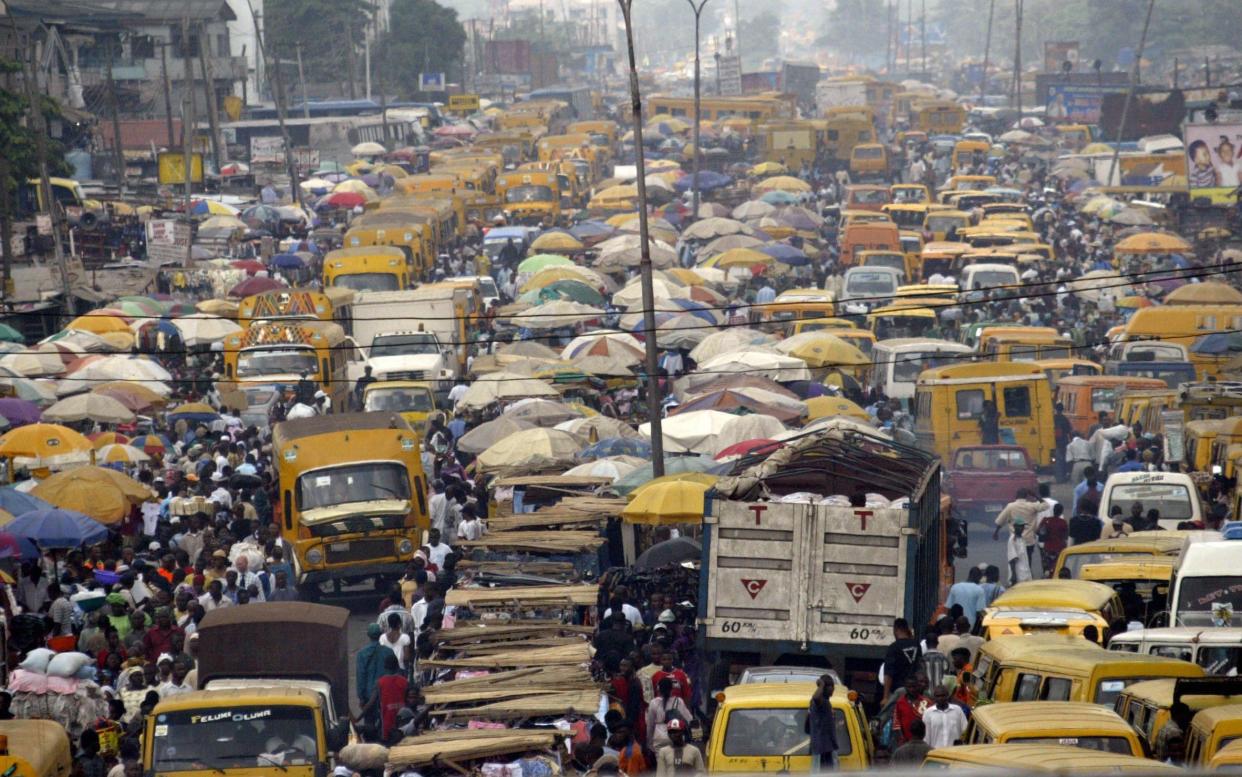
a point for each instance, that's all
(235, 738)
(530, 194)
(364, 482)
(276, 361)
(404, 345)
(399, 400)
(368, 281)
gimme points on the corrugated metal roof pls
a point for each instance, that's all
(173, 10)
(68, 12)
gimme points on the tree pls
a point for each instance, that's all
(858, 28)
(761, 36)
(329, 32)
(424, 37)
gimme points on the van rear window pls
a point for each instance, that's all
(775, 732)
(1119, 745)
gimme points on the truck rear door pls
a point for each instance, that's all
(758, 563)
(858, 571)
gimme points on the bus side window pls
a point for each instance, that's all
(1028, 687)
(1017, 402)
(288, 510)
(969, 403)
(1056, 689)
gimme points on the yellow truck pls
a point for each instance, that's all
(530, 197)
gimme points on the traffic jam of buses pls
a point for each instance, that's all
(620, 388)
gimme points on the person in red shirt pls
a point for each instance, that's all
(389, 696)
(1053, 533)
(159, 638)
(681, 681)
(909, 708)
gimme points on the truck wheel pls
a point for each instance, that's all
(88, 220)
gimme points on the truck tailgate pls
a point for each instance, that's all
(800, 573)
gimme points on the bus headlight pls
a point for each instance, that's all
(405, 546)
(314, 556)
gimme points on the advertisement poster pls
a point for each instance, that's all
(1057, 52)
(1212, 165)
(1075, 104)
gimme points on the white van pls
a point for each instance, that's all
(1207, 585)
(864, 288)
(989, 276)
(1173, 494)
(896, 363)
(1217, 650)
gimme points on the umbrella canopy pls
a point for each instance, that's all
(673, 466)
(89, 407)
(19, 412)
(777, 366)
(256, 285)
(1152, 243)
(120, 368)
(612, 467)
(138, 397)
(709, 180)
(786, 254)
(1132, 217)
(825, 406)
(726, 340)
(747, 448)
(729, 242)
(677, 550)
(782, 183)
(556, 241)
(820, 349)
(99, 324)
(17, 502)
(617, 446)
(779, 198)
(741, 257)
(45, 445)
(746, 427)
(749, 400)
(598, 427)
(529, 450)
(500, 386)
(695, 431)
(668, 502)
(10, 335)
(534, 264)
(541, 412)
(101, 493)
(753, 209)
(574, 291)
(151, 443)
(51, 528)
(485, 435)
(621, 345)
(369, 148)
(1206, 293)
(202, 328)
(708, 229)
(100, 439)
(194, 411)
(768, 168)
(556, 314)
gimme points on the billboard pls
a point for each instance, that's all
(1149, 171)
(1075, 104)
(1212, 167)
(1057, 52)
(267, 150)
(171, 167)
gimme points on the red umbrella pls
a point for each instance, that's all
(249, 265)
(456, 131)
(343, 200)
(747, 447)
(255, 285)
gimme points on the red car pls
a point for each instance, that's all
(982, 479)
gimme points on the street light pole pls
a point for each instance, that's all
(644, 241)
(697, 8)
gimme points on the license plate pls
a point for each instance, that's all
(339, 547)
(995, 507)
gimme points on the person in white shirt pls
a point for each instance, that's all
(438, 505)
(246, 578)
(471, 526)
(395, 639)
(458, 391)
(945, 722)
(300, 410)
(631, 613)
(437, 551)
(150, 518)
(221, 495)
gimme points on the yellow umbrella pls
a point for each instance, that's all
(218, 307)
(393, 171)
(104, 494)
(47, 444)
(668, 501)
(555, 241)
(686, 276)
(622, 192)
(121, 454)
(769, 168)
(355, 186)
(823, 407)
(1206, 293)
(121, 341)
(1152, 243)
(222, 222)
(783, 183)
(5, 517)
(620, 219)
(359, 167)
(99, 324)
(551, 275)
(820, 349)
(217, 208)
(740, 257)
(660, 117)
(1096, 148)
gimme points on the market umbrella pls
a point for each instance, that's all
(530, 450)
(757, 446)
(17, 502)
(368, 148)
(1152, 243)
(708, 229)
(753, 209)
(119, 368)
(100, 408)
(1206, 293)
(574, 291)
(51, 529)
(19, 412)
(541, 412)
(783, 183)
(747, 400)
(825, 406)
(617, 446)
(194, 412)
(10, 335)
(31, 390)
(741, 257)
(625, 251)
(613, 467)
(605, 342)
(1131, 217)
(501, 386)
(785, 254)
(151, 443)
(779, 198)
(555, 315)
(777, 366)
(598, 427)
(591, 231)
(256, 285)
(709, 180)
(259, 215)
(211, 208)
(677, 550)
(485, 435)
(667, 502)
(606, 366)
(138, 397)
(820, 349)
(100, 439)
(344, 201)
(689, 432)
(673, 466)
(727, 243)
(45, 445)
(556, 241)
(768, 168)
(534, 264)
(101, 493)
(202, 328)
(98, 323)
(726, 340)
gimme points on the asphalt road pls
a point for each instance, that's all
(982, 549)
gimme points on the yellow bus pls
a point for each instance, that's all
(938, 117)
(1184, 324)
(411, 234)
(530, 197)
(757, 107)
(949, 405)
(374, 268)
(333, 304)
(280, 352)
(353, 497)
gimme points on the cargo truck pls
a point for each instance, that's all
(808, 583)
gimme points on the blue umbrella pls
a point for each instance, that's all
(779, 198)
(591, 229)
(617, 446)
(287, 262)
(785, 254)
(696, 309)
(56, 528)
(708, 180)
(16, 502)
(673, 465)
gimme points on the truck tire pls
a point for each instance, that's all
(88, 220)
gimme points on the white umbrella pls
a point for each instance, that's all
(614, 467)
(691, 432)
(632, 294)
(715, 227)
(109, 368)
(556, 314)
(204, 328)
(753, 209)
(746, 427)
(624, 251)
(500, 386)
(768, 364)
(583, 342)
(541, 412)
(531, 449)
(32, 363)
(599, 427)
(369, 148)
(728, 340)
(88, 407)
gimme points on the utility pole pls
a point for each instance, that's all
(1125, 107)
(923, 32)
(737, 43)
(302, 81)
(1017, 57)
(168, 116)
(351, 65)
(114, 110)
(987, 49)
(209, 92)
(1176, 65)
(909, 31)
(697, 8)
(644, 241)
(888, 38)
(383, 95)
(278, 99)
(366, 64)
(187, 130)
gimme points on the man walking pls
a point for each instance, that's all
(821, 725)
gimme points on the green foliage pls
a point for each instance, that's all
(323, 28)
(760, 36)
(17, 139)
(424, 37)
(858, 28)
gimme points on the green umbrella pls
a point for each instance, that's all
(673, 465)
(572, 290)
(10, 334)
(139, 308)
(534, 264)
